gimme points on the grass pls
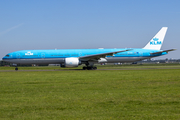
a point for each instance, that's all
(104, 94)
(124, 66)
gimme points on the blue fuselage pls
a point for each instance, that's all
(58, 56)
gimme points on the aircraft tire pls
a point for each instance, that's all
(95, 68)
(89, 68)
(16, 68)
(84, 68)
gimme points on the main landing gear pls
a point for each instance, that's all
(89, 68)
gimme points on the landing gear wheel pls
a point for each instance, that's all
(16, 68)
(84, 68)
(95, 68)
(92, 68)
(89, 68)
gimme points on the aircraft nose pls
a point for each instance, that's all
(5, 57)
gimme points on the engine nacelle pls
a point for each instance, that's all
(71, 62)
(102, 60)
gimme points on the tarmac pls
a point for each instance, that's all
(87, 70)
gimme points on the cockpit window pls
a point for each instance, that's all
(7, 55)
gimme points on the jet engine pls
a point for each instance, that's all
(71, 62)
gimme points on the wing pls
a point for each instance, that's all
(101, 55)
(162, 51)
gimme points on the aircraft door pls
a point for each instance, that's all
(80, 54)
(140, 53)
(42, 55)
(17, 55)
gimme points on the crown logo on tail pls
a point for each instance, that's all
(155, 39)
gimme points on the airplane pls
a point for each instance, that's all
(76, 57)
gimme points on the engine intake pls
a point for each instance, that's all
(71, 62)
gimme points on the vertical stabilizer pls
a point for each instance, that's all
(157, 41)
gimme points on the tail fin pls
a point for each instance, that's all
(157, 41)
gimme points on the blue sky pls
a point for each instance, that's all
(81, 24)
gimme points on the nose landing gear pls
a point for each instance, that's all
(16, 68)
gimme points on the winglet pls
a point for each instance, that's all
(157, 41)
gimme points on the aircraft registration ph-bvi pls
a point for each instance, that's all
(76, 57)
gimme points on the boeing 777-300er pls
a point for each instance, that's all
(76, 57)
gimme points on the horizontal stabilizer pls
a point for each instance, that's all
(162, 51)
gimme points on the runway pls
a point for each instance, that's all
(155, 68)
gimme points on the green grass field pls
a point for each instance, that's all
(126, 92)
